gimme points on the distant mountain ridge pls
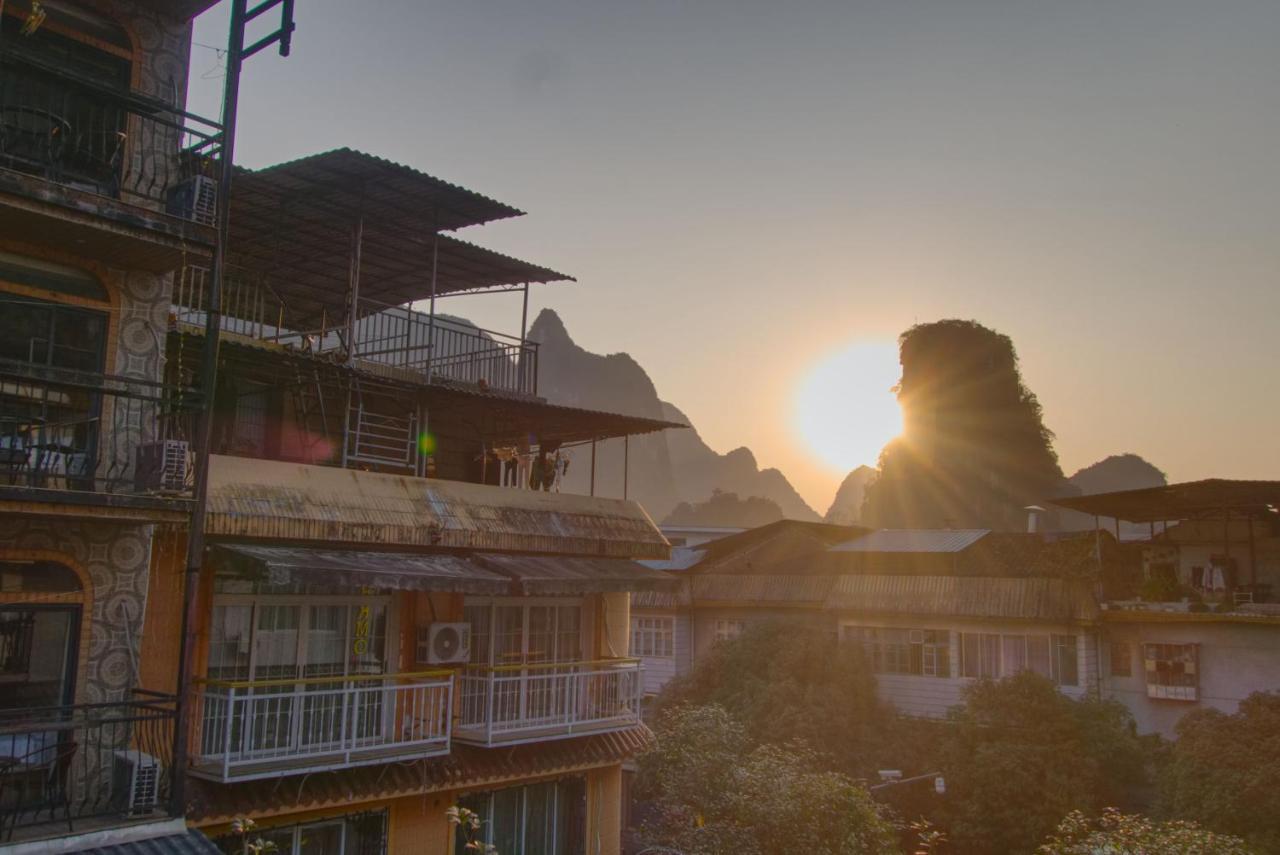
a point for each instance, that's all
(846, 507)
(666, 468)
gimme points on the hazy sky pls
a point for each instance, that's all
(743, 187)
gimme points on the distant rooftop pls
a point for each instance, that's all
(1214, 497)
(914, 540)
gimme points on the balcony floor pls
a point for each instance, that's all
(272, 767)
(517, 736)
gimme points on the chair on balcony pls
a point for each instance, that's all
(35, 782)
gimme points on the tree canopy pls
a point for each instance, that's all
(974, 450)
(1224, 771)
(1115, 833)
(1020, 755)
(786, 680)
(713, 793)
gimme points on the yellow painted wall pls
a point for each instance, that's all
(417, 825)
(615, 630)
(604, 811)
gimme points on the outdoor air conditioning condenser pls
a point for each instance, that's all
(444, 643)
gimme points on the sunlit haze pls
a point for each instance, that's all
(845, 409)
(743, 188)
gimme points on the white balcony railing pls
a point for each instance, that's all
(258, 729)
(509, 704)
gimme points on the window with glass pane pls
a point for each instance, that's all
(354, 834)
(894, 650)
(653, 637)
(1066, 660)
(727, 630)
(538, 819)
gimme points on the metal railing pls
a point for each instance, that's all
(74, 430)
(62, 764)
(86, 134)
(509, 704)
(443, 349)
(265, 728)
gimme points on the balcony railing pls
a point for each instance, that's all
(442, 349)
(67, 429)
(265, 728)
(85, 134)
(62, 765)
(510, 704)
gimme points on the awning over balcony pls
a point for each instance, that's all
(477, 573)
(267, 500)
(383, 571)
(541, 575)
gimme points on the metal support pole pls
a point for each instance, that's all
(236, 54)
(524, 313)
(353, 285)
(1253, 555)
(431, 318)
(626, 463)
(593, 467)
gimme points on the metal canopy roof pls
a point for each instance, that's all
(1024, 599)
(1190, 499)
(914, 540)
(383, 571)
(293, 225)
(538, 575)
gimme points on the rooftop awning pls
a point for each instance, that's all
(1061, 600)
(383, 571)
(272, 500)
(539, 575)
(1210, 498)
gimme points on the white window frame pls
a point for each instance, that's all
(727, 629)
(1186, 655)
(876, 643)
(525, 603)
(653, 636)
(1003, 668)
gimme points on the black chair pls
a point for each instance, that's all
(34, 783)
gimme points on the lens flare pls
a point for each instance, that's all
(426, 444)
(845, 409)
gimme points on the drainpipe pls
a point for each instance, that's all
(236, 55)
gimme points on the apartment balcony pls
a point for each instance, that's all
(120, 175)
(267, 728)
(395, 341)
(72, 436)
(84, 767)
(511, 704)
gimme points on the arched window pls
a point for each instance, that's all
(62, 112)
(40, 605)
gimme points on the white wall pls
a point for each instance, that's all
(932, 696)
(660, 670)
(1235, 660)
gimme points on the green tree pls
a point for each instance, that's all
(787, 681)
(974, 449)
(1115, 833)
(1020, 755)
(1224, 771)
(713, 794)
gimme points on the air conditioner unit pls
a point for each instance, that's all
(135, 782)
(162, 467)
(195, 199)
(444, 643)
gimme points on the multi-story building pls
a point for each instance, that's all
(98, 163)
(398, 610)
(1181, 620)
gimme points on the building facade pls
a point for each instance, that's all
(399, 611)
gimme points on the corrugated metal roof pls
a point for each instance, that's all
(540, 575)
(1212, 496)
(914, 540)
(276, 500)
(677, 598)
(190, 842)
(292, 223)
(973, 597)
(465, 767)
(776, 589)
(682, 558)
(383, 571)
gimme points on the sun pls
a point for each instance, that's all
(845, 409)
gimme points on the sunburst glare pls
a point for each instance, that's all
(845, 409)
